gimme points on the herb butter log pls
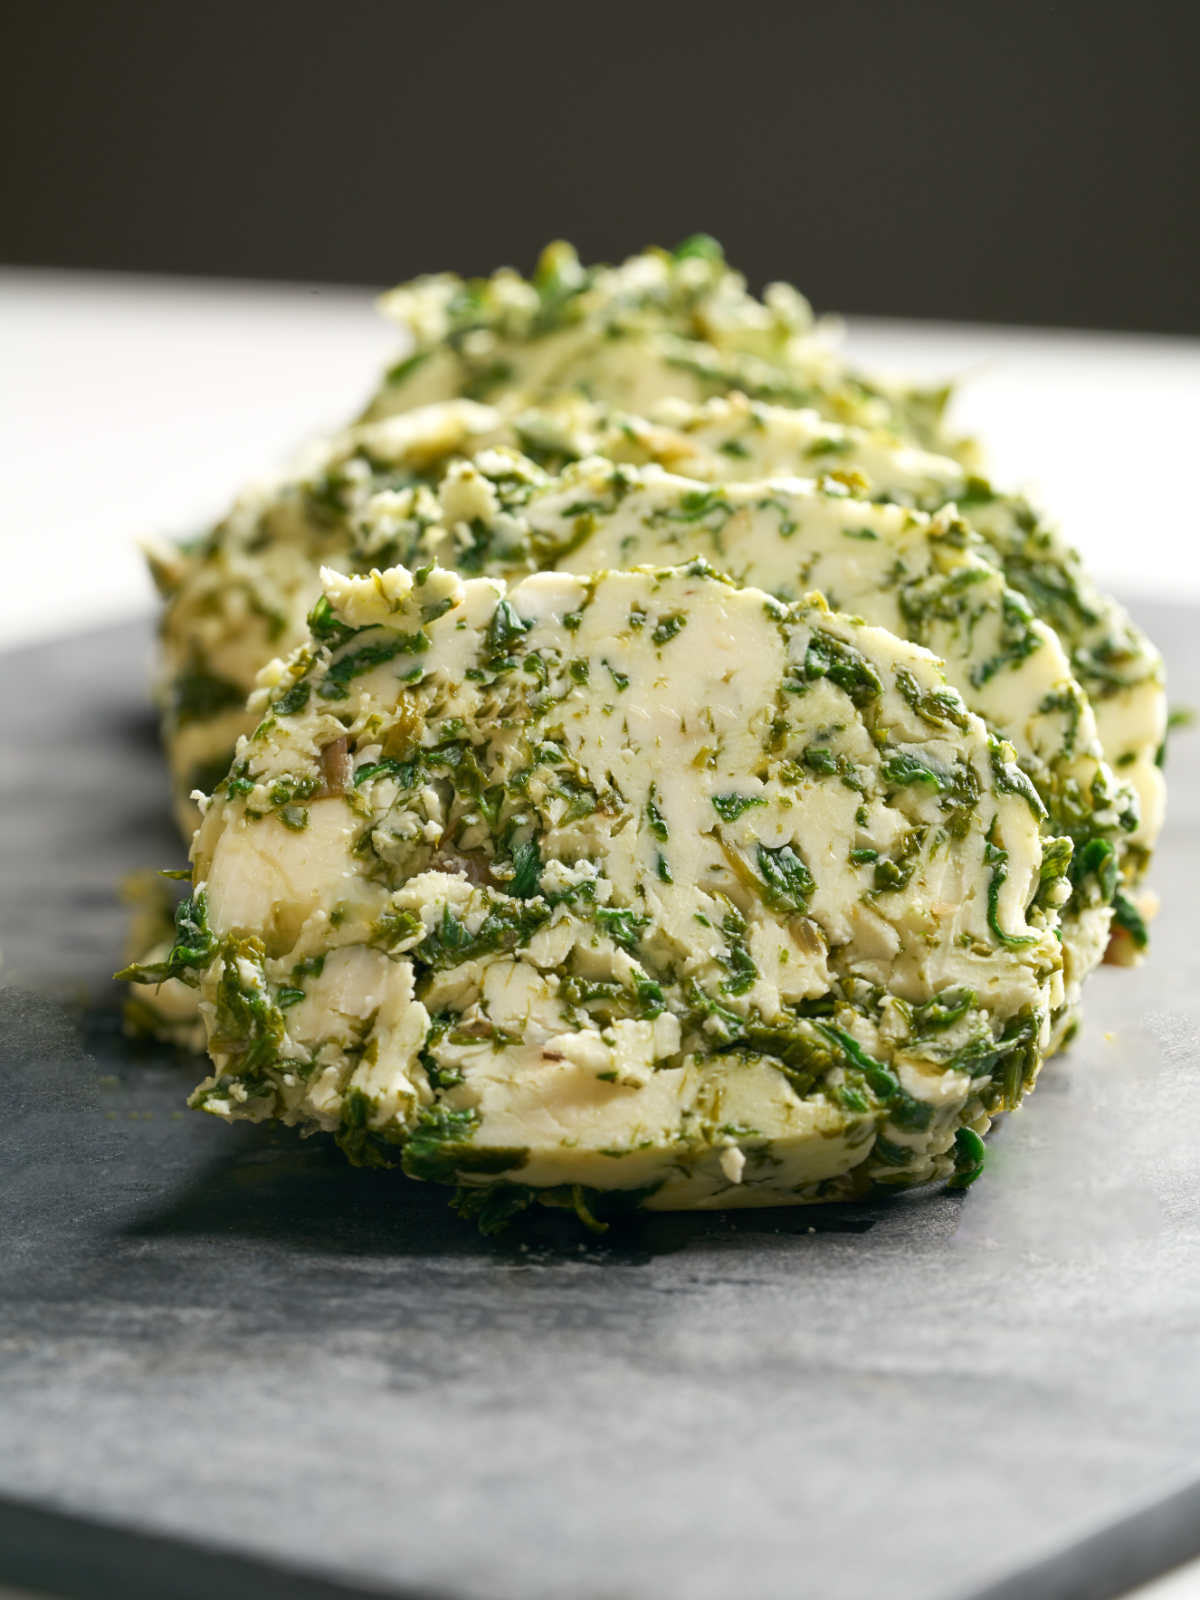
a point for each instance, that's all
(923, 578)
(244, 592)
(661, 325)
(621, 886)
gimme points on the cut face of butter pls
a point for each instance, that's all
(640, 882)
(927, 579)
(923, 578)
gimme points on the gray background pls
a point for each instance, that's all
(1012, 160)
(229, 1336)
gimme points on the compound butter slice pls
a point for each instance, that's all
(621, 883)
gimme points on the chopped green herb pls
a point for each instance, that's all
(624, 926)
(1126, 915)
(970, 1154)
(997, 859)
(788, 882)
(729, 807)
(655, 819)
(669, 627)
(527, 870)
(197, 694)
(830, 657)
(193, 950)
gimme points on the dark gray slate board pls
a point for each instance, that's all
(229, 1338)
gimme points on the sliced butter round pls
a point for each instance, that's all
(638, 882)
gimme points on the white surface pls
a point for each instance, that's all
(1182, 1584)
(133, 406)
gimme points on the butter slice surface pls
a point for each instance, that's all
(625, 882)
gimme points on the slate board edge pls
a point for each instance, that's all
(75, 1558)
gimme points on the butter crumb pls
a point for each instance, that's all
(733, 1163)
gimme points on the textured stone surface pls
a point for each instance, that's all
(230, 1336)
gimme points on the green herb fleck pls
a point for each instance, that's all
(440, 1147)
(699, 247)
(997, 859)
(970, 1154)
(729, 807)
(1126, 915)
(787, 880)
(669, 627)
(527, 870)
(193, 949)
(197, 694)
(903, 769)
(623, 926)
(505, 628)
(655, 820)
(830, 657)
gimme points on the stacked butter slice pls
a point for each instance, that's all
(676, 778)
